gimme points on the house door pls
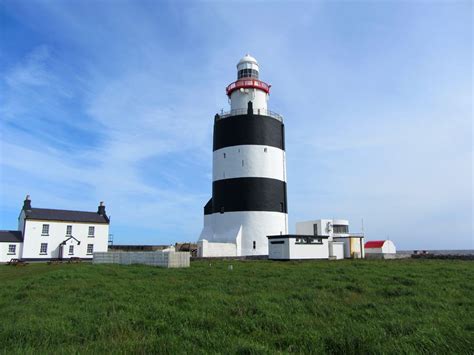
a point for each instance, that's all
(60, 252)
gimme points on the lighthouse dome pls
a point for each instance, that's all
(247, 59)
(247, 67)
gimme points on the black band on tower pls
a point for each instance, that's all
(248, 129)
(248, 194)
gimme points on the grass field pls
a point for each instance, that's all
(401, 306)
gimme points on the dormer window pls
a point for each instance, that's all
(68, 230)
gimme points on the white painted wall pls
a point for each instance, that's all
(249, 225)
(207, 249)
(307, 227)
(336, 249)
(5, 256)
(373, 250)
(57, 234)
(239, 99)
(308, 251)
(258, 161)
(389, 247)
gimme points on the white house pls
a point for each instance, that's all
(45, 234)
(318, 239)
(380, 249)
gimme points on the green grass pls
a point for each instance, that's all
(401, 306)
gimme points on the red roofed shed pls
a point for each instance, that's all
(380, 247)
(375, 244)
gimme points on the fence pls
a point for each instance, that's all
(166, 259)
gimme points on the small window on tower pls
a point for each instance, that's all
(242, 163)
(265, 149)
(254, 245)
(224, 155)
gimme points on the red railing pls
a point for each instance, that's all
(247, 83)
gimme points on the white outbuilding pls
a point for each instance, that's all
(380, 249)
(317, 239)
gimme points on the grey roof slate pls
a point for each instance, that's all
(48, 214)
(11, 236)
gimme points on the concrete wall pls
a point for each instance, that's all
(5, 256)
(57, 234)
(208, 249)
(166, 259)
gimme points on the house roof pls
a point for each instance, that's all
(374, 244)
(47, 214)
(11, 236)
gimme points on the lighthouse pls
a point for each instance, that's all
(248, 200)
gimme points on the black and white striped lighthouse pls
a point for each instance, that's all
(248, 200)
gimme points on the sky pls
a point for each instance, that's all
(114, 101)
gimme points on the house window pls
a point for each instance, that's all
(44, 248)
(71, 250)
(90, 248)
(91, 231)
(340, 228)
(224, 155)
(45, 230)
(308, 240)
(254, 245)
(12, 249)
(68, 230)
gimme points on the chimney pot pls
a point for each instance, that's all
(27, 203)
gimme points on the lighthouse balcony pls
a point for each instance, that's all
(245, 111)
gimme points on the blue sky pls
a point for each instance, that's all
(114, 101)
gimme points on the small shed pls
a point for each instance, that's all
(290, 247)
(383, 249)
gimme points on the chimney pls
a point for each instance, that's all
(101, 209)
(27, 203)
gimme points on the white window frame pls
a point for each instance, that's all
(89, 234)
(68, 230)
(11, 249)
(43, 228)
(91, 247)
(45, 245)
(71, 250)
